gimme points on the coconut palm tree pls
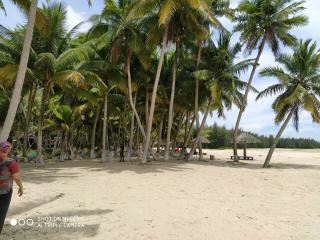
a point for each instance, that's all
(122, 35)
(222, 76)
(11, 43)
(218, 8)
(298, 88)
(184, 28)
(16, 95)
(261, 23)
(111, 77)
(129, 39)
(31, 6)
(109, 36)
(59, 71)
(64, 120)
(35, 17)
(165, 11)
(48, 70)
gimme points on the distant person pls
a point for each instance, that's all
(184, 153)
(111, 152)
(121, 152)
(9, 171)
(32, 154)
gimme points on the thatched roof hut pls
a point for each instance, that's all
(244, 139)
(202, 140)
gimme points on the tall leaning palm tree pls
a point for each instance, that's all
(298, 88)
(184, 28)
(125, 36)
(16, 95)
(165, 10)
(218, 8)
(59, 71)
(261, 23)
(221, 74)
(31, 7)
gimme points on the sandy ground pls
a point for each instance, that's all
(212, 200)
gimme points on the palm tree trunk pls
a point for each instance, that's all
(196, 142)
(122, 124)
(132, 104)
(186, 127)
(146, 106)
(112, 144)
(93, 134)
(16, 95)
(104, 129)
(244, 103)
(45, 96)
(72, 150)
(131, 130)
(28, 119)
(56, 141)
(154, 94)
(277, 138)
(173, 86)
(138, 141)
(107, 132)
(186, 143)
(64, 147)
(196, 104)
(160, 135)
(174, 142)
(128, 64)
(70, 144)
(187, 140)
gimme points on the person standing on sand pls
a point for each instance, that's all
(9, 171)
(121, 152)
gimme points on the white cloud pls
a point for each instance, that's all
(311, 30)
(74, 18)
(234, 3)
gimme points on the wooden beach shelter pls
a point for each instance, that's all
(244, 139)
(202, 140)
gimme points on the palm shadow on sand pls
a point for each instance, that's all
(52, 170)
(34, 204)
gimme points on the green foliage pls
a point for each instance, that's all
(298, 87)
(220, 137)
(270, 21)
(2, 6)
(221, 73)
(73, 73)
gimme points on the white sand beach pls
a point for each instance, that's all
(212, 200)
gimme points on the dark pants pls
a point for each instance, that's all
(4, 206)
(121, 157)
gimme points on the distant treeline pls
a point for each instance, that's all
(220, 137)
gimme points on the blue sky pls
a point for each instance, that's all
(258, 116)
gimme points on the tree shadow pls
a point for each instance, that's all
(258, 165)
(51, 171)
(63, 225)
(150, 167)
(294, 166)
(48, 173)
(40, 177)
(33, 204)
